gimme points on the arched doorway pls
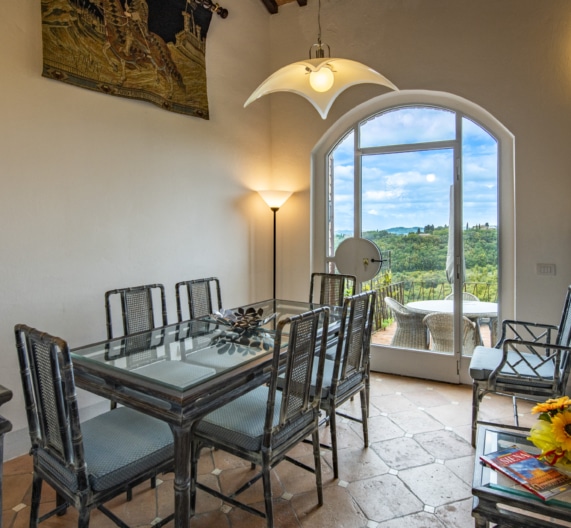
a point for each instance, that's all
(395, 165)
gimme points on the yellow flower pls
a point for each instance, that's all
(557, 404)
(541, 435)
(561, 425)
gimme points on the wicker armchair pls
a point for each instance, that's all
(441, 326)
(466, 296)
(199, 294)
(410, 332)
(531, 361)
(87, 464)
(264, 424)
(333, 288)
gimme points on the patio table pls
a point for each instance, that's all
(181, 372)
(471, 309)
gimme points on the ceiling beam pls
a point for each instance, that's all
(271, 6)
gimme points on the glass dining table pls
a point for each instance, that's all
(180, 372)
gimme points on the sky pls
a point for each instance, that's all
(412, 189)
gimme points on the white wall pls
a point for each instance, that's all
(99, 192)
(512, 58)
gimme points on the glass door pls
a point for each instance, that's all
(421, 183)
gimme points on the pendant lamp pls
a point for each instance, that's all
(320, 79)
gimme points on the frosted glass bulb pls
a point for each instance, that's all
(322, 79)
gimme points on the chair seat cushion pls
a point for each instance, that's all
(122, 443)
(118, 446)
(241, 422)
(485, 360)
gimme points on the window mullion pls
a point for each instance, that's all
(358, 199)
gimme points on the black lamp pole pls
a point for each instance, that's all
(275, 210)
(274, 200)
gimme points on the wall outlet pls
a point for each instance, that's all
(545, 269)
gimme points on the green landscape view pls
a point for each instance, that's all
(418, 260)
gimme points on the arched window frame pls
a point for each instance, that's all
(468, 109)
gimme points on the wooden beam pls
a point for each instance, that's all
(271, 6)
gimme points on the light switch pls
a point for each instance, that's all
(545, 269)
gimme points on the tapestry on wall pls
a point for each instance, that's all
(152, 50)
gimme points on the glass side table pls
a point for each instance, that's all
(497, 499)
(5, 426)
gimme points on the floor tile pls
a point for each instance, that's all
(435, 484)
(385, 497)
(402, 453)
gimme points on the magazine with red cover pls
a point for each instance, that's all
(533, 474)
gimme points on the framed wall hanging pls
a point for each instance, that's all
(153, 50)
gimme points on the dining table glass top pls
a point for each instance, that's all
(185, 354)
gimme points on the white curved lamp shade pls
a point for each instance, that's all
(275, 199)
(296, 78)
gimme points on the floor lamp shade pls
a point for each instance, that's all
(275, 198)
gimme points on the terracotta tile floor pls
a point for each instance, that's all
(417, 471)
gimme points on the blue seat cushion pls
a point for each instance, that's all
(241, 422)
(485, 360)
(119, 445)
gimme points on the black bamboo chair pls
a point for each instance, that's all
(264, 424)
(139, 310)
(5, 427)
(199, 294)
(531, 361)
(348, 373)
(90, 463)
(331, 288)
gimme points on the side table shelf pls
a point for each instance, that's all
(504, 506)
(5, 426)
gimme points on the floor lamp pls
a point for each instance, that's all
(275, 199)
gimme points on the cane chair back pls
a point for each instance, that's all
(410, 331)
(86, 464)
(348, 373)
(441, 328)
(262, 425)
(531, 361)
(199, 294)
(139, 313)
(331, 288)
(139, 310)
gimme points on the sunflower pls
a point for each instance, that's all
(541, 435)
(561, 424)
(557, 404)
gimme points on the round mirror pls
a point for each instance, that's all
(359, 257)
